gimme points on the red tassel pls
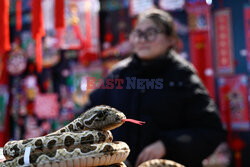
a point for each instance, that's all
(78, 34)
(59, 14)
(4, 28)
(39, 57)
(34, 18)
(59, 19)
(38, 31)
(18, 15)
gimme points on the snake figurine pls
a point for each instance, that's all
(86, 141)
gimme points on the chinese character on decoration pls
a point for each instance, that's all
(223, 38)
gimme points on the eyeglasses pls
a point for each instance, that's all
(148, 35)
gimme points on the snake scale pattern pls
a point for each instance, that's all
(86, 141)
(160, 163)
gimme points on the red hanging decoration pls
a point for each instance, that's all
(79, 35)
(38, 31)
(234, 141)
(88, 26)
(4, 38)
(108, 37)
(237, 145)
(4, 28)
(59, 14)
(59, 19)
(18, 15)
(4, 47)
(122, 37)
(86, 56)
(39, 56)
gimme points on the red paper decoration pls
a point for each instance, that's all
(59, 14)
(233, 102)
(4, 28)
(199, 21)
(224, 42)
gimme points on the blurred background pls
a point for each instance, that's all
(49, 48)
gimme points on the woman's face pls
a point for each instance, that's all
(148, 40)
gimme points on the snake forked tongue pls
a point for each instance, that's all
(134, 121)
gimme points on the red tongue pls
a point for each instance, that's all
(134, 121)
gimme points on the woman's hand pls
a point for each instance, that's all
(155, 150)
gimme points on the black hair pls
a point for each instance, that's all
(162, 19)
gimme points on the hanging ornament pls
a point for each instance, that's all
(17, 61)
(59, 20)
(73, 36)
(75, 24)
(59, 14)
(86, 54)
(237, 145)
(4, 28)
(18, 15)
(108, 38)
(30, 87)
(38, 31)
(50, 53)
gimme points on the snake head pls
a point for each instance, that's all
(103, 118)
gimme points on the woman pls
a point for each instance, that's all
(155, 85)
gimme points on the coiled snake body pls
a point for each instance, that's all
(86, 141)
(160, 163)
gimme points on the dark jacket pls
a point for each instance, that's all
(176, 108)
